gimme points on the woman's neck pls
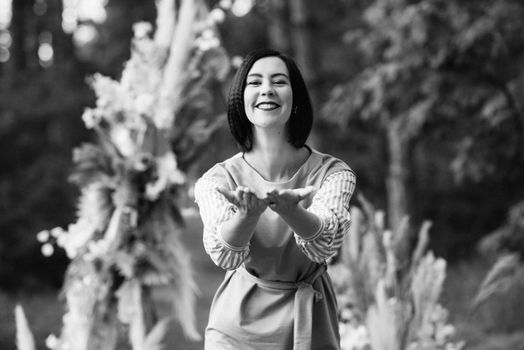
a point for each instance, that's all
(274, 158)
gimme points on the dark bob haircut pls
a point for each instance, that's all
(301, 119)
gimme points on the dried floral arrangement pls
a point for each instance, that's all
(126, 240)
(389, 292)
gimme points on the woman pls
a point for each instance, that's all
(272, 215)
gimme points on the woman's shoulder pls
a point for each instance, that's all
(223, 171)
(329, 163)
(225, 165)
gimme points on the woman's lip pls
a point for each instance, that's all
(269, 109)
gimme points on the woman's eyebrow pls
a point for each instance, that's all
(258, 75)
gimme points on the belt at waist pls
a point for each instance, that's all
(305, 296)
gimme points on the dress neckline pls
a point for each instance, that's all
(302, 166)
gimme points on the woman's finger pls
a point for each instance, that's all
(272, 199)
(241, 191)
(286, 194)
(270, 196)
(249, 198)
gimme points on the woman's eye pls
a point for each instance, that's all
(279, 82)
(254, 82)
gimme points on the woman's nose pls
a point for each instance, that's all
(267, 90)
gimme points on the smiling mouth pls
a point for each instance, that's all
(267, 106)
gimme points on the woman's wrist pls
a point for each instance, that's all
(312, 236)
(248, 217)
(239, 229)
(287, 211)
(304, 223)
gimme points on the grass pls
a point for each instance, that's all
(497, 325)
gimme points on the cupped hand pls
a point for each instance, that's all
(282, 201)
(245, 200)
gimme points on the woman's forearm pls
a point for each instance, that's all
(238, 230)
(302, 222)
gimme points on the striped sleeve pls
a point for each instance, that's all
(214, 211)
(331, 204)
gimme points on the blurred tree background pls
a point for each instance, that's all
(421, 97)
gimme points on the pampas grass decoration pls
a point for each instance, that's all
(126, 241)
(176, 70)
(393, 286)
(155, 339)
(24, 337)
(505, 272)
(382, 321)
(165, 23)
(174, 262)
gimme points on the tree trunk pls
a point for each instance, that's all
(278, 26)
(19, 22)
(62, 43)
(398, 196)
(303, 39)
(302, 30)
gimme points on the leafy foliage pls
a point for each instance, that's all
(437, 63)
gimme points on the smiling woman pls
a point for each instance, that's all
(272, 215)
(268, 96)
(301, 113)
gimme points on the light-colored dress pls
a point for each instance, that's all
(276, 293)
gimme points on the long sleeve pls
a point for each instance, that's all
(215, 210)
(331, 204)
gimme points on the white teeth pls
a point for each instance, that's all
(267, 106)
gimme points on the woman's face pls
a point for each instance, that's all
(268, 97)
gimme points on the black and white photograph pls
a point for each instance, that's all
(261, 175)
